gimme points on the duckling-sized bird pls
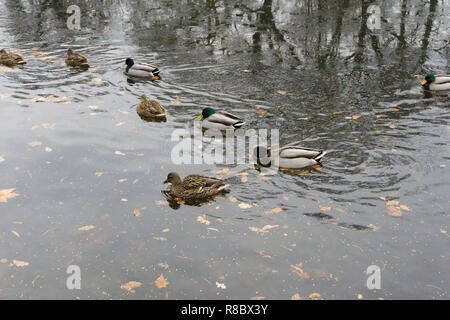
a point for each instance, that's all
(150, 109)
(289, 157)
(10, 59)
(194, 186)
(221, 120)
(439, 82)
(141, 70)
(74, 59)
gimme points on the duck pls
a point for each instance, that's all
(221, 120)
(74, 59)
(289, 157)
(438, 82)
(10, 59)
(194, 186)
(149, 109)
(141, 70)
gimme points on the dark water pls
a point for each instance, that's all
(378, 200)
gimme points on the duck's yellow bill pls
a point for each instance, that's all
(164, 182)
(424, 82)
(200, 116)
(155, 78)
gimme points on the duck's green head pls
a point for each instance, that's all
(429, 78)
(129, 62)
(207, 112)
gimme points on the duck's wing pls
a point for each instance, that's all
(442, 78)
(202, 183)
(293, 152)
(226, 118)
(146, 67)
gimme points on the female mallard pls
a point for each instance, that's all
(150, 109)
(76, 60)
(10, 59)
(194, 186)
(141, 70)
(438, 82)
(289, 157)
(221, 120)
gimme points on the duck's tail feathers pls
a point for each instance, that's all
(320, 156)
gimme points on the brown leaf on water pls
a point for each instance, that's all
(232, 199)
(258, 298)
(403, 207)
(161, 282)
(356, 117)
(394, 211)
(86, 228)
(261, 111)
(6, 194)
(137, 212)
(247, 70)
(275, 210)
(244, 179)
(35, 144)
(222, 172)
(176, 101)
(296, 297)
(202, 219)
(241, 174)
(3, 260)
(165, 230)
(129, 286)
(338, 112)
(315, 296)
(19, 263)
(15, 233)
(305, 118)
(282, 92)
(392, 203)
(392, 126)
(244, 205)
(285, 197)
(297, 269)
(324, 208)
(99, 174)
(264, 229)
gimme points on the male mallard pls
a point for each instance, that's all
(221, 120)
(76, 60)
(141, 70)
(438, 82)
(10, 59)
(194, 186)
(150, 109)
(290, 157)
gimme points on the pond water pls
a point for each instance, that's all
(87, 171)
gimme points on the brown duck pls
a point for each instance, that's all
(194, 186)
(10, 59)
(149, 109)
(76, 60)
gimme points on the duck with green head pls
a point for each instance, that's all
(141, 70)
(221, 120)
(194, 186)
(438, 82)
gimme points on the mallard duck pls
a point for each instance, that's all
(76, 60)
(289, 157)
(221, 120)
(438, 82)
(150, 109)
(10, 59)
(141, 70)
(194, 186)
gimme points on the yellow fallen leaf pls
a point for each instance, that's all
(356, 117)
(305, 118)
(129, 286)
(3, 260)
(247, 70)
(276, 210)
(232, 199)
(86, 228)
(19, 263)
(297, 269)
(243, 205)
(392, 126)
(285, 197)
(165, 230)
(324, 208)
(202, 219)
(99, 174)
(338, 112)
(244, 179)
(161, 282)
(392, 203)
(282, 92)
(176, 101)
(137, 212)
(221, 285)
(315, 296)
(263, 229)
(403, 207)
(15, 233)
(394, 211)
(261, 111)
(6, 194)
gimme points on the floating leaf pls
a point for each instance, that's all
(297, 269)
(119, 153)
(261, 111)
(6, 194)
(392, 203)
(15, 233)
(356, 117)
(99, 174)
(282, 92)
(403, 207)
(324, 208)
(176, 101)
(129, 286)
(221, 285)
(263, 229)
(165, 230)
(86, 228)
(276, 210)
(315, 296)
(394, 211)
(202, 219)
(285, 197)
(244, 179)
(19, 263)
(137, 212)
(161, 282)
(392, 126)
(243, 205)
(35, 144)
(232, 199)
